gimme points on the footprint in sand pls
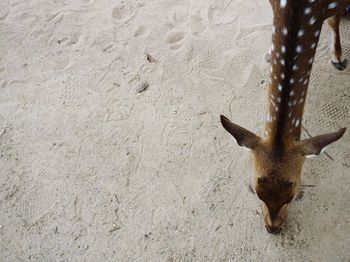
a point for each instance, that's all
(68, 40)
(94, 82)
(74, 39)
(221, 16)
(87, 2)
(56, 62)
(4, 9)
(197, 23)
(3, 83)
(140, 31)
(345, 160)
(122, 12)
(175, 39)
(70, 94)
(334, 111)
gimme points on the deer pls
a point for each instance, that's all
(279, 156)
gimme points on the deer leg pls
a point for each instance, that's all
(337, 57)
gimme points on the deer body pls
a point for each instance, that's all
(279, 156)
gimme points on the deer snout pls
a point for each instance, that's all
(273, 230)
(274, 221)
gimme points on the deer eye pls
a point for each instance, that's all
(288, 184)
(263, 181)
(262, 194)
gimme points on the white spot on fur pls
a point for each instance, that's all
(312, 20)
(273, 103)
(278, 99)
(307, 10)
(282, 62)
(283, 49)
(279, 88)
(292, 93)
(301, 32)
(284, 31)
(269, 118)
(295, 68)
(283, 3)
(332, 5)
(292, 80)
(297, 123)
(317, 33)
(282, 76)
(299, 49)
(311, 60)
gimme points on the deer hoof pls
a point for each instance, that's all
(340, 65)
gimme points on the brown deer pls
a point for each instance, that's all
(279, 157)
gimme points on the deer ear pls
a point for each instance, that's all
(242, 136)
(316, 145)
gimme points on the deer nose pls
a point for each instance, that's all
(273, 230)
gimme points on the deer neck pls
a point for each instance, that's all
(296, 32)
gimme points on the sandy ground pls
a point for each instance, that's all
(94, 169)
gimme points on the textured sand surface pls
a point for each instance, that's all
(93, 169)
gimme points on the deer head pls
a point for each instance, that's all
(278, 168)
